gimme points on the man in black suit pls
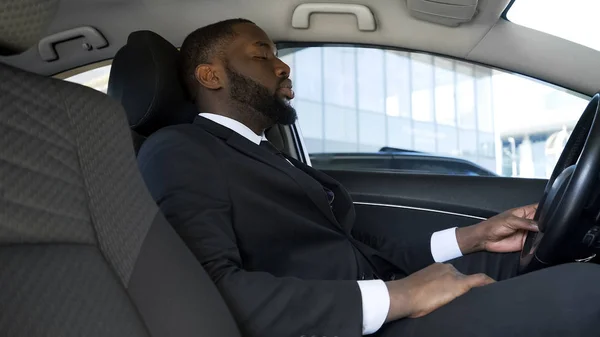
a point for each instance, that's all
(277, 236)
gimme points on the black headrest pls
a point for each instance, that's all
(145, 78)
(23, 22)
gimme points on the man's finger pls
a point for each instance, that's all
(478, 280)
(527, 212)
(526, 224)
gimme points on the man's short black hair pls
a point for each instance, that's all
(201, 46)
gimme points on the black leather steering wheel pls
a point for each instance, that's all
(568, 211)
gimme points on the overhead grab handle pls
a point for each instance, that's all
(364, 16)
(93, 40)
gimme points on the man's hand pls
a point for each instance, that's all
(503, 233)
(428, 289)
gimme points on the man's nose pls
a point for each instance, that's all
(282, 69)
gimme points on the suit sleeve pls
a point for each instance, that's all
(192, 192)
(411, 254)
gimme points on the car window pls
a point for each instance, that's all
(361, 100)
(94, 76)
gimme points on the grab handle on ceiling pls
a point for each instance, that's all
(93, 39)
(364, 16)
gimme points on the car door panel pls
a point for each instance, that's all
(389, 203)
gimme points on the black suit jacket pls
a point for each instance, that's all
(284, 260)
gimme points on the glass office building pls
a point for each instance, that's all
(358, 99)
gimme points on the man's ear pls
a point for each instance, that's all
(208, 77)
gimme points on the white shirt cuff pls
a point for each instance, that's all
(375, 304)
(444, 246)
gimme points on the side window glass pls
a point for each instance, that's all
(94, 76)
(432, 114)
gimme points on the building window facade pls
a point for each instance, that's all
(361, 99)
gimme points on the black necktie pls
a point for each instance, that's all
(271, 148)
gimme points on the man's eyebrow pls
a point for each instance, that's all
(264, 44)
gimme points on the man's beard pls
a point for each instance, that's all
(272, 109)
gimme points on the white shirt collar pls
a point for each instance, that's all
(235, 126)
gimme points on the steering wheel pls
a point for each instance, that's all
(567, 214)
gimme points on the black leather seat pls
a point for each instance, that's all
(144, 79)
(84, 250)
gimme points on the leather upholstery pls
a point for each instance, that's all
(144, 78)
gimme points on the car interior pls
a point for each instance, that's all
(85, 251)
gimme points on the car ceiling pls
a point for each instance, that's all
(487, 39)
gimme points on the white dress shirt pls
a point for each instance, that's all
(374, 293)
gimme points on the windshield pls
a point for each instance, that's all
(574, 20)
